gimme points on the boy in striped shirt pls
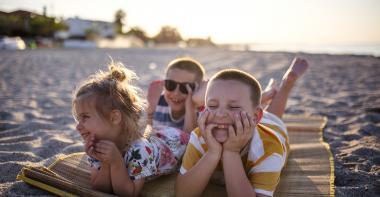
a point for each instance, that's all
(237, 142)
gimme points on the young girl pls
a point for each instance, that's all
(109, 110)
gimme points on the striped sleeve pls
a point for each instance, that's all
(194, 151)
(267, 157)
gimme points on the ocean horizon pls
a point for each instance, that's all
(354, 49)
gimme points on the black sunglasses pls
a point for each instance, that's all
(171, 85)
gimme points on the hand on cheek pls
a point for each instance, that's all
(189, 105)
(89, 145)
(239, 136)
(202, 121)
(214, 146)
(106, 151)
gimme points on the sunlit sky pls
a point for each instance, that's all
(232, 21)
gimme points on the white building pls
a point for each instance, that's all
(79, 27)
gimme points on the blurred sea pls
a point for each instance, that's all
(357, 49)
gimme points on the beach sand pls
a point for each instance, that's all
(36, 124)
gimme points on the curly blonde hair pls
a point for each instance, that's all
(113, 90)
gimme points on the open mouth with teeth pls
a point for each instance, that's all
(222, 126)
(220, 132)
(177, 101)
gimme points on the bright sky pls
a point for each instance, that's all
(233, 21)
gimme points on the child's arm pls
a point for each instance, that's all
(199, 95)
(154, 93)
(193, 182)
(190, 121)
(101, 179)
(237, 183)
(121, 183)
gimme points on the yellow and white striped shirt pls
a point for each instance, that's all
(263, 161)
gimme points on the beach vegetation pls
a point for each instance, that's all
(168, 34)
(27, 24)
(119, 22)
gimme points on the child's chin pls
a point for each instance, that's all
(177, 106)
(220, 135)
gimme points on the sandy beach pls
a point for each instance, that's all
(36, 124)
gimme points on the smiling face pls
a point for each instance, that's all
(225, 98)
(176, 99)
(89, 122)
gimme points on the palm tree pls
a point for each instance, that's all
(120, 16)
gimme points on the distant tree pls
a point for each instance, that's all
(168, 35)
(91, 34)
(120, 16)
(13, 25)
(45, 26)
(200, 42)
(138, 32)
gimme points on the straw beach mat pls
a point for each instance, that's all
(309, 170)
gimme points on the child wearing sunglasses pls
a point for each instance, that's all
(176, 101)
(175, 107)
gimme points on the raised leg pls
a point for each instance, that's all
(268, 93)
(295, 71)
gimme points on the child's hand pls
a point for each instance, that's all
(154, 93)
(89, 142)
(199, 94)
(238, 138)
(189, 105)
(106, 151)
(214, 147)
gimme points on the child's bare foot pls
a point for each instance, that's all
(295, 71)
(269, 92)
(154, 92)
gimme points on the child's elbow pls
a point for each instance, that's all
(130, 194)
(100, 186)
(179, 186)
(94, 184)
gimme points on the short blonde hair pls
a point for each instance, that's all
(114, 90)
(188, 64)
(243, 77)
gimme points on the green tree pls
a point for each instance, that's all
(168, 35)
(29, 26)
(12, 26)
(138, 32)
(120, 16)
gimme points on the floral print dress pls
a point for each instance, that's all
(159, 154)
